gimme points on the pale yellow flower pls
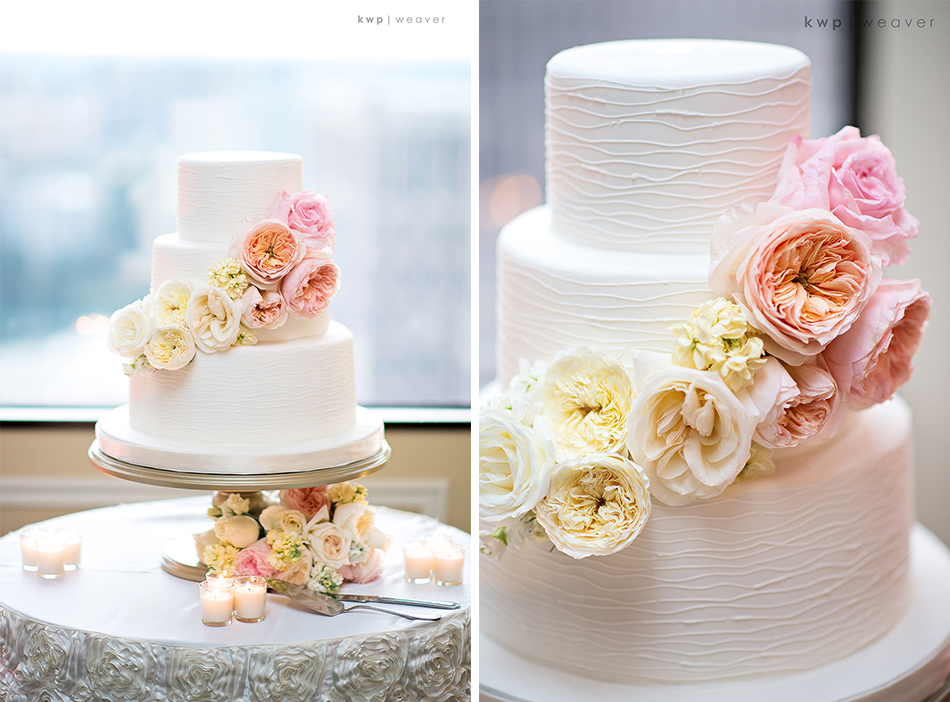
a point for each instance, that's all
(759, 463)
(343, 493)
(718, 338)
(596, 505)
(585, 399)
(228, 275)
(220, 556)
(170, 347)
(286, 548)
(246, 337)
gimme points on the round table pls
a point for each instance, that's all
(121, 628)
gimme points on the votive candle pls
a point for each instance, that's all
(448, 564)
(72, 539)
(50, 556)
(28, 539)
(223, 575)
(417, 557)
(250, 596)
(217, 602)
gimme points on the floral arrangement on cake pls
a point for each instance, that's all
(804, 324)
(279, 266)
(320, 537)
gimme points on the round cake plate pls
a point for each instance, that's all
(238, 482)
(181, 560)
(908, 664)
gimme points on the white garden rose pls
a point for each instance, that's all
(129, 329)
(689, 431)
(170, 302)
(514, 464)
(354, 519)
(521, 398)
(596, 505)
(328, 544)
(170, 348)
(270, 517)
(377, 539)
(585, 399)
(213, 318)
(241, 531)
(292, 520)
(203, 541)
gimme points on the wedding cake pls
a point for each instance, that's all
(696, 469)
(235, 363)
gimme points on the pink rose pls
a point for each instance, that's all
(263, 309)
(806, 408)
(253, 560)
(856, 179)
(307, 289)
(268, 251)
(309, 214)
(307, 500)
(802, 277)
(366, 571)
(873, 358)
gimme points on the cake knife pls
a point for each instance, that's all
(381, 599)
(324, 604)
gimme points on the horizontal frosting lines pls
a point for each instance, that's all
(798, 76)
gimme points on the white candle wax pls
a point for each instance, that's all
(250, 596)
(417, 560)
(217, 604)
(72, 538)
(28, 538)
(50, 557)
(448, 565)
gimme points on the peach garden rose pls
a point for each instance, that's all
(873, 358)
(807, 406)
(268, 251)
(801, 277)
(307, 288)
(262, 309)
(309, 501)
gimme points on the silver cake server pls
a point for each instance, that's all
(324, 604)
(382, 599)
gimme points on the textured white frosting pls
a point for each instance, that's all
(780, 573)
(220, 191)
(555, 293)
(249, 396)
(648, 142)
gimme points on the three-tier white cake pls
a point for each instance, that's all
(285, 403)
(648, 144)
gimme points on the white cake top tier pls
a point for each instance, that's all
(219, 191)
(648, 142)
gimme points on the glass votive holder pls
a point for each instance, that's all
(50, 556)
(417, 559)
(217, 602)
(448, 562)
(222, 576)
(72, 539)
(250, 596)
(29, 536)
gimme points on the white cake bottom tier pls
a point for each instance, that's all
(778, 574)
(250, 397)
(554, 294)
(189, 261)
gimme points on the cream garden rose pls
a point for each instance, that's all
(690, 432)
(514, 464)
(240, 531)
(170, 348)
(354, 519)
(129, 330)
(801, 276)
(328, 544)
(169, 303)
(585, 398)
(596, 505)
(213, 318)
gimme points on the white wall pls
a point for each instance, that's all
(907, 84)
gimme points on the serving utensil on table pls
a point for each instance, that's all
(326, 605)
(382, 599)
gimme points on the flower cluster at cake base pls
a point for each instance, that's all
(280, 266)
(320, 537)
(804, 325)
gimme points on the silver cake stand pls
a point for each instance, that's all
(179, 557)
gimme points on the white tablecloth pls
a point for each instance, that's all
(121, 621)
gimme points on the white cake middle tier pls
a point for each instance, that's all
(252, 397)
(554, 294)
